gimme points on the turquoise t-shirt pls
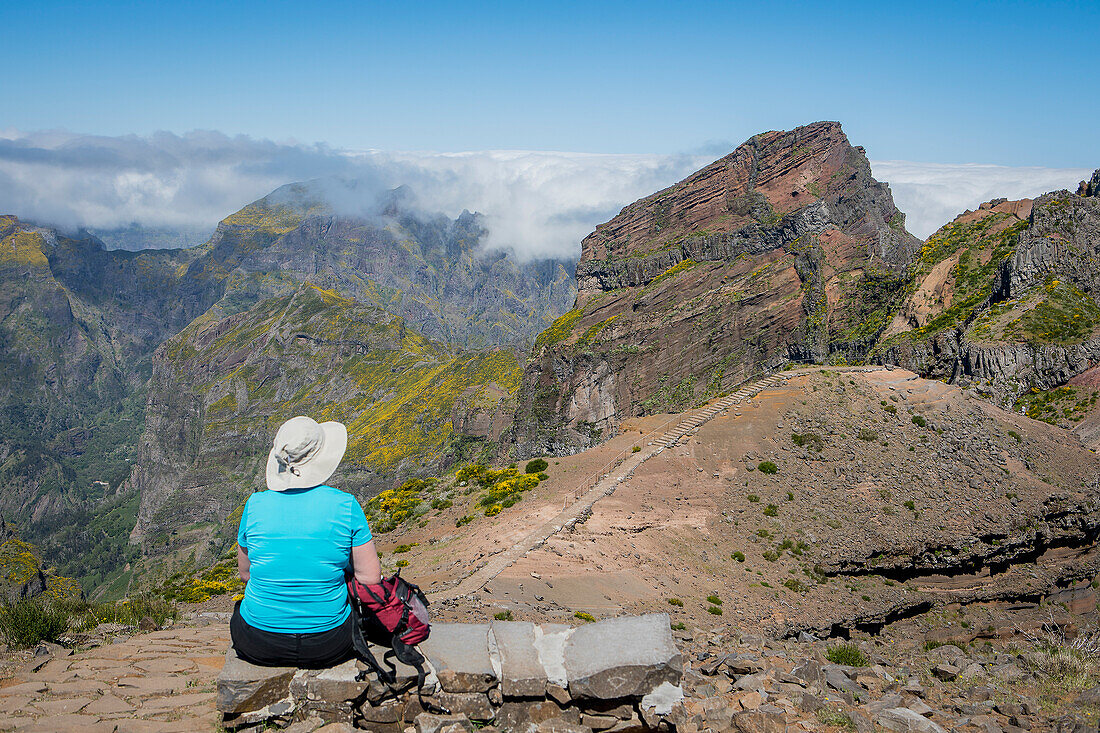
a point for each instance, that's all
(299, 544)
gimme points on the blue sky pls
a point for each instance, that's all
(1003, 83)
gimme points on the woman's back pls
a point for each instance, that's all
(298, 543)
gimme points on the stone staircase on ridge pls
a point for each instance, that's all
(699, 417)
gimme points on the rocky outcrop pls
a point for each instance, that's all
(785, 249)
(1012, 291)
(622, 673)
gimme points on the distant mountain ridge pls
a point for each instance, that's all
(79, 325)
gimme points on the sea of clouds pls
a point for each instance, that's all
(537, 204)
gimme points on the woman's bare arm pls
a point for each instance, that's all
(243, 563)
(365, 564)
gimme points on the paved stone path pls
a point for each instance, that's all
(605, 486)
(160, 682)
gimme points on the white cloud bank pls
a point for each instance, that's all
(932, 194)
(537, 203)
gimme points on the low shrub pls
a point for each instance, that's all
(27, 622)
(714, 610)
(796, 585)
(835, 717)
(919, 421)
(768, 467)
(714, 600)
(771, 510)
(405, 548)
(402, 563)
(503, 615)
(583, 616)
(675, 602)
(847, 654)
(753, 498)
(678, 626)
(867, 435)
(538, 465)
(441, 504)
(738, 556)
(809, 441)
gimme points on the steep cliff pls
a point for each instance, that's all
(785, 249)
(77, 327)
(1005, 298)
(224, 387)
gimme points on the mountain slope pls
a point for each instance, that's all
(1005, 297)
(785, 249)
(224, 388)
(76, 329)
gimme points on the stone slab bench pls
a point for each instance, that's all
(617, 675)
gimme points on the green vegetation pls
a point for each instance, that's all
(1055, 405)
(675, 602)
(714, 600)
(847, 654)
(738, 556)
(677, 269)
(678, 626)
(559, 330)
(583, 616)
(867, 434)
(919, 421)
(1015, 436)
(753, 498)
(26, 622)
(835, 717)
(771, 510)
(219, 579)
(1066, 317)
(538, 465)
(768, 467)
(810, 441)
(405, 548)
(503, 615)
(795, 585)
(714, 610)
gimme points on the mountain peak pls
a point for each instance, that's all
(768, 176)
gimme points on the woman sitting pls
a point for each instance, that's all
(295, 543)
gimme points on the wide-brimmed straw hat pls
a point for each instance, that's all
(305, 453)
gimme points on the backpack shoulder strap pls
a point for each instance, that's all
(362, 647)
(412, 657)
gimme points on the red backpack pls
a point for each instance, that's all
(398, 618)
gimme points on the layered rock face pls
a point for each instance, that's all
(1005, 297)
(785, 249)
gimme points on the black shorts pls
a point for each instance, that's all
(272, 649)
